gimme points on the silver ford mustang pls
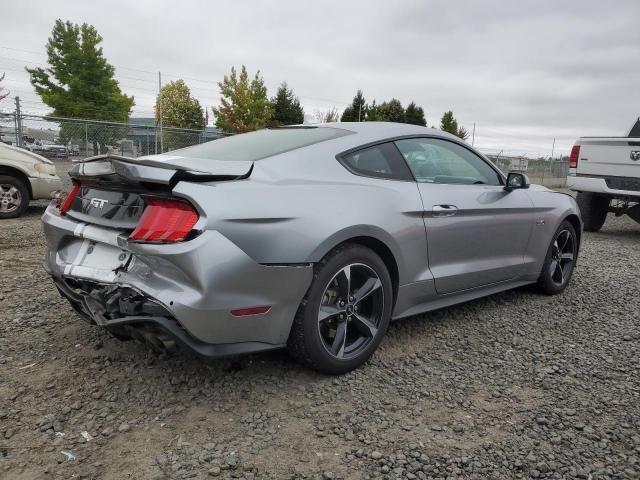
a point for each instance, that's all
(309, 237)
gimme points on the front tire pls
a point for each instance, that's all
(345, 312)
(560, 261)
(594, 208)
(14, 197)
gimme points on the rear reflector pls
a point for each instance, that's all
(244, 312)
(573, 158)
(165, 220)
(66, 205)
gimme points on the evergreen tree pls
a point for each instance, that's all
(244, 105)
(286, 107)
(357, 111)
(392, 111)
(375, 113)
(415, 115)
(448, 123)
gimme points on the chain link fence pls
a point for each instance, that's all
(55, 137)
(78, 138)
(550, 172)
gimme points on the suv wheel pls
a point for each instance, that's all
(14, 197)
(345, 313)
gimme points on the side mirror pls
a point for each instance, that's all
(516, 180)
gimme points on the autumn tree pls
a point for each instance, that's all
(175, 107)
(80, 83)
(327, 116)
(414, 115)
(448, 123)
(244, 105)
(286, 107)
(357, 111)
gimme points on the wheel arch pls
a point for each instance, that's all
(574, 220)
(19, 174)
(373, 238)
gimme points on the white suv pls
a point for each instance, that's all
(24, 176)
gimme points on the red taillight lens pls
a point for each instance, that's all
(573, 158)
(66, 205)
(165, 220)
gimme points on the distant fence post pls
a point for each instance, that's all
(86, 139)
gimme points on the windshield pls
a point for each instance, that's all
(261, 144)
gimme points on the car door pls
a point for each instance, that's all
(477, 233)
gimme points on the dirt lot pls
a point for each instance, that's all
(518, 385)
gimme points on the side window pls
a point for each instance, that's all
(433, 160)
(379, 161)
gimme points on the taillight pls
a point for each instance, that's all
(66, 205)
(573, 158)
(165, 220)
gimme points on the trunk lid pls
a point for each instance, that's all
(112, 188)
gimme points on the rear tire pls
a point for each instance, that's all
(345, 313)
(594, 208)
(560, 260)
(14, 197)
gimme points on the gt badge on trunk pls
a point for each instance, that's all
(98, 202)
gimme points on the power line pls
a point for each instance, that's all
(169, 74)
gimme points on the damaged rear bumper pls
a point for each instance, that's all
(182, 292)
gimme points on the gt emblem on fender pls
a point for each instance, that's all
(635, 155)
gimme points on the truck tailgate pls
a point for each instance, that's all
(609, 157)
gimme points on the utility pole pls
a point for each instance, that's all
(160, 108)
(359, 112)
(18, 123)
(473, 135)
(553, 147)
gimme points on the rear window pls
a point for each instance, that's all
(262, 143)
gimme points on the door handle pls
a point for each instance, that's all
(444, 210)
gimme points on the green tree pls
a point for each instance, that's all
(448, 123)
(357, 111)
(244, 105)
(286, 107)
(3, 94)
(375, 113)
(178, 109)
(80, 83)
(415, 115)
(392, 111)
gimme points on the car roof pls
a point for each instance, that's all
(387, 129)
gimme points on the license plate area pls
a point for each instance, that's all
(97, 261)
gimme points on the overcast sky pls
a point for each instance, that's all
(524, 72)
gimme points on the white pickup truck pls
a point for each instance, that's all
(605, 171)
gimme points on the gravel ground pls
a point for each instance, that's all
(518, 385)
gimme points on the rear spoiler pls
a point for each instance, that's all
(166, 170)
